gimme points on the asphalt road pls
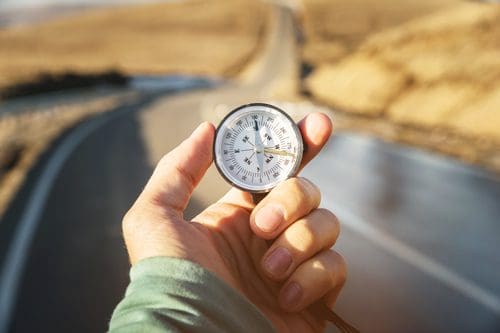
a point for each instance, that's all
(420, 232)
(77, 267)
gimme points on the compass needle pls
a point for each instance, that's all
(259, 148)
(279, 152)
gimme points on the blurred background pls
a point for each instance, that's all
(93, 93)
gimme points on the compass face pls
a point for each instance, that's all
(257, 146)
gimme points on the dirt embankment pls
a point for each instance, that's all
(425, 73)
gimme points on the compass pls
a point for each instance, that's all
(257, 146)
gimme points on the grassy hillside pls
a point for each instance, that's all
(421, 72)
(200, 37)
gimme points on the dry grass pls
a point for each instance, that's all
(335, 28)
(358, 84)
(436, 74)
(201, 37)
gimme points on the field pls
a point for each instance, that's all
(197, 37)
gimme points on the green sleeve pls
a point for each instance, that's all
(175, 295)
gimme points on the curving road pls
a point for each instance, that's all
(421, 233)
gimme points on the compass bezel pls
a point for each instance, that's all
(217, 152)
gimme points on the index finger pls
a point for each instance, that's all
(316, 129)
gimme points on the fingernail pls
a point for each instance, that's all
(291, 295)
(278, 262)
(269, 218)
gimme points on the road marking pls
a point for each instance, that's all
(415, 258)
(17, 253)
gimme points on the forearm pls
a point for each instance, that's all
(174, 295)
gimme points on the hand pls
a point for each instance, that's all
(277, 254)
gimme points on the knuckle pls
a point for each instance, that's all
(327, 215)
(305, 189)
(330, 219)
(316, 232)
(136, 217)
(304, 237)
(294, 184)
(129, 222)
(326, 228)
(310, 190)
(339, 273)
(306, 185)
(164, 161)
(218, 213)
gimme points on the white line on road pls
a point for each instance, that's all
(413, 257)
(18, 251)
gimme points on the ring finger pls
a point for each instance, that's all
(300, 241)
(321, 275)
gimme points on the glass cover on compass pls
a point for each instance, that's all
(257, 146)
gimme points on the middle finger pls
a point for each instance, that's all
(286, 203)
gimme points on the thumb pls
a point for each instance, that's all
(178, 172)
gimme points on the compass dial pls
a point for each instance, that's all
(257, 146)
